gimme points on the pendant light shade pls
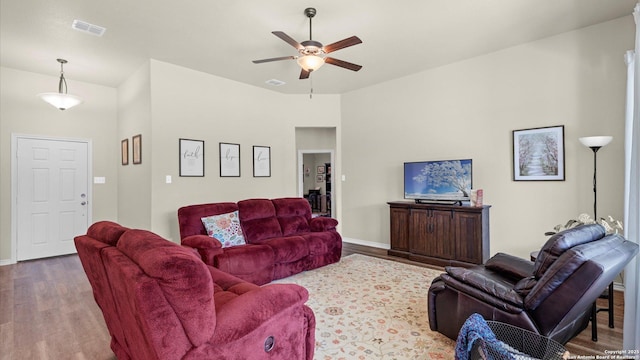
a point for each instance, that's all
(61, 100)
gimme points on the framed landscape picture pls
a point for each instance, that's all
(538, 154)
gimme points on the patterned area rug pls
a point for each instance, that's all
(369, 308)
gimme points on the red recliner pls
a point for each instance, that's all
(160, 301)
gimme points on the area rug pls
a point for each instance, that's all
(370, 308)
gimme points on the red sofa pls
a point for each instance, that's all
(282, 238)
(160, 301)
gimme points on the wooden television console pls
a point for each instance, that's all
(439, 234)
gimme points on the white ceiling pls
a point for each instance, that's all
(221, 37)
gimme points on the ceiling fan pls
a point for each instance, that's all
(312, 53)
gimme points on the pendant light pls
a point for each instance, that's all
(61, 100)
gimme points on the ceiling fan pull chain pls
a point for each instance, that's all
(311, 89)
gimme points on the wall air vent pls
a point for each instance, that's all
(275, 82)
(88, 28)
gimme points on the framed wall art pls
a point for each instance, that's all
(261, 161)
(136, 144)
(191, 155)
(229, 160)
(124, 151)
(538, 154)
(320, 169)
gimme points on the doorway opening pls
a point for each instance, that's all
(315, 180)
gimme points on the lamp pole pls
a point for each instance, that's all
(595, 191)
(595, 143)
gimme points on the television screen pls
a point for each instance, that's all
(446, 180)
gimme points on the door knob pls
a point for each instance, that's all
(83, 203)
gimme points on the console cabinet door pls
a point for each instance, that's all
(399, 229)
(468, 237)
(419, 226)
(430, 233)
(441, 239)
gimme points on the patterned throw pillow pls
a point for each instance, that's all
(225, 227)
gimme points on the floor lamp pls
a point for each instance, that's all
(595, 143)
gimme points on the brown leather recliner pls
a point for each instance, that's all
(551, 297)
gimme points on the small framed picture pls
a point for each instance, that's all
(191, 157)
(261, 161)
(320, 169)
(319, 178)
(538, 154)
(124, 151)
(229, 160)
(136, 143)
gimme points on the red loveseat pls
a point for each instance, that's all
(281, 237)
(160, 301)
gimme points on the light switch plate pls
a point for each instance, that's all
(99, 180)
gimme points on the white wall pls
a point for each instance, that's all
(469, 110)
(22, 112)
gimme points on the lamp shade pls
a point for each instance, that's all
(60, 101)
(595, 141)
(310, 62)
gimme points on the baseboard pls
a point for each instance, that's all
(366, 243)
(6, 262)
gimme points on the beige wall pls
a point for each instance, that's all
(466, 109)
(469, 109)
(134, 117)
(22, 112)
(194, 105)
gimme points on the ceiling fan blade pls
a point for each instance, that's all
(273, 59)
(354, 40)
(343, 64)
(288, 39)
(304, 74)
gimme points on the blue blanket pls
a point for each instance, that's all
(474, 329)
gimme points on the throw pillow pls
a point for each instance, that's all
(225, 227)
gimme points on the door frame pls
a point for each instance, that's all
(301, 175)
(14, 182)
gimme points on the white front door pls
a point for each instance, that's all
(52, 199)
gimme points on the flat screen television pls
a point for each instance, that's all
(441, 180)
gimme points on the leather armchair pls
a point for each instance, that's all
(551, 297)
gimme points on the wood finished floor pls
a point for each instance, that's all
(47, 311)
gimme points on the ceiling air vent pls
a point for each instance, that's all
(88, 28)
(275, 82)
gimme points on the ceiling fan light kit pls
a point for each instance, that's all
(310, 62)
(312, 53)
(61, 100)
